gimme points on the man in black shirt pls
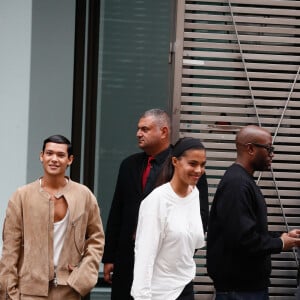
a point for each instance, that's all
(239, 246)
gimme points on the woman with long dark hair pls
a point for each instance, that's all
(170, 228)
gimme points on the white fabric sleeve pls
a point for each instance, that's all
(148, 241)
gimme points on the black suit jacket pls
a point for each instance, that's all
(122, 220)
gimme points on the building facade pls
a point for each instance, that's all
(88, 69)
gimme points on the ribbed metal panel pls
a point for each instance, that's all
(237, 63)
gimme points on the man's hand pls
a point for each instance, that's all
(108, 271)
(295, 233)
(291, 239)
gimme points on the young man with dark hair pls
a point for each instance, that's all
(53, 237)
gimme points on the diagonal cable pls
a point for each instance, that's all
(286, 104)
(273, 175)
(258, 119)
(283, 213)
(243, 61)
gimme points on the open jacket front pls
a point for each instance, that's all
(26, 265)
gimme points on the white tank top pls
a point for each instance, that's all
(59, 237)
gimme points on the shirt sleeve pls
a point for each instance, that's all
(148, 241)
(113, 226)
(12, 244)
(241, 226)
(93, 251)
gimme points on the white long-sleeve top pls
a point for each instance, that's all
(168, 232)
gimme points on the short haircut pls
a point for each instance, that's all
(59, 139)
(160, 115)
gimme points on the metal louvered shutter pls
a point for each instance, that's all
(236, 63)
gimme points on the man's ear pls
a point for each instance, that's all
(41, 156)
(250, 148)
(71, 158)
(165, 131)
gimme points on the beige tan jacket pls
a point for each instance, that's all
(26, 265)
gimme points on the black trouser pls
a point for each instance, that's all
(187, 293)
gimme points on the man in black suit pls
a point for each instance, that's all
(153, 136)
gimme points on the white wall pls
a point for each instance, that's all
(15, 49)
(51, 78)
(36, 85)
